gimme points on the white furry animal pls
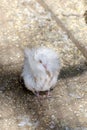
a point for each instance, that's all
(41, 69)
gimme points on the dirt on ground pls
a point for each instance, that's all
(23, 24)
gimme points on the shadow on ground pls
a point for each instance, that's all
(73, 71)
(23, 108)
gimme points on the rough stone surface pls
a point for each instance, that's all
(25, 23)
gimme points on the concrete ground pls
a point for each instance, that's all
(25, 23)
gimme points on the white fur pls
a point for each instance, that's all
(36, 77)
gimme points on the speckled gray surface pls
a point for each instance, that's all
(25, 23)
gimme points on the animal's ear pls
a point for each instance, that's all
(27, 52)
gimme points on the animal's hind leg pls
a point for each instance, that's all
(48, 94)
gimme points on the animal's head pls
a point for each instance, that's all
(35, 60)
(46, 58)
(42, 58)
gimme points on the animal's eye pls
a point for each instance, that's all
(40, 61)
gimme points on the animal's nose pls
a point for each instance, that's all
(45, 66)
